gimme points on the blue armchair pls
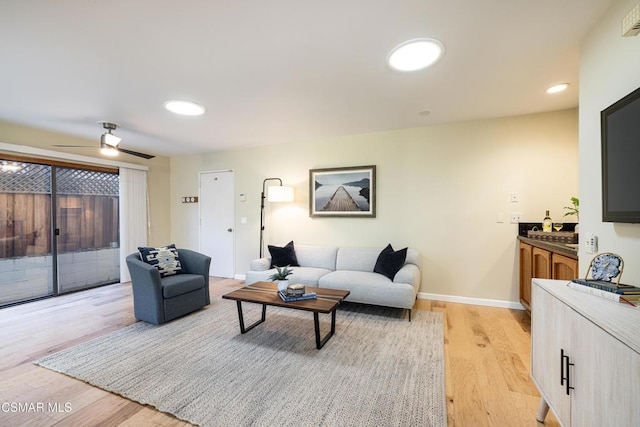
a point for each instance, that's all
(161, 299)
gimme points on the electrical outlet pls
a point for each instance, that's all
(515, 217)
(592, 243)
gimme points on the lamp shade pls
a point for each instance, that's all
(280, 193)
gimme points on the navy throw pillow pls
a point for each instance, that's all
(389, 262)
(283, 256)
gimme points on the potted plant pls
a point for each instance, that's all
(281, 277)
(574, 210)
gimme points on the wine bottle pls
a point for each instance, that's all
(547, 223)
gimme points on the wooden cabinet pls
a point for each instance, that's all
(563, 268)
(526, 274)
(544, 261)
(585, 356)
(541, 263)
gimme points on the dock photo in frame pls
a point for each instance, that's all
(343, 192)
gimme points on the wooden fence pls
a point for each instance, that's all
(85, 223)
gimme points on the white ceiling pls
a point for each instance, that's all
(279, 71)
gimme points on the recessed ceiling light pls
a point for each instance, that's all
(186, 108)
(415, 54)
(558, 88)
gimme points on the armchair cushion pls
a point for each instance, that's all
(165, 259)
(177, 285)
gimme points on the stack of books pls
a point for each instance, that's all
(289, 298)
(617, 292)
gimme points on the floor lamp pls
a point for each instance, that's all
(275, 193)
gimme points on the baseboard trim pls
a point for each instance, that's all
(452, 298)
(473, 301)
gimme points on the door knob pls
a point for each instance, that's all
(229, 230)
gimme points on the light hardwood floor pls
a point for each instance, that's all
(487, 354)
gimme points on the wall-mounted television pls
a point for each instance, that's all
(620, 128)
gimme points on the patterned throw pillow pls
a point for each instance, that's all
(164, 259)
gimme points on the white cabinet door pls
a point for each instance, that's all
(550, 336)
(605, 378)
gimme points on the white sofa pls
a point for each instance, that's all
(349, 269)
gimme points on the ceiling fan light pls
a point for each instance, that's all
(110, 139)
(185, 108)
(415, 54)
(558, 88)
(107, 149)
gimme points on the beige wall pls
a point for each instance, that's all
(609, 70)
(158, 176)
(439, 190)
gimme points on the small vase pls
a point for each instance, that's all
(282, 285)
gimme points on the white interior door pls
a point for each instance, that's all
(217, 215)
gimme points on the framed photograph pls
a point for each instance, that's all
(343, 192)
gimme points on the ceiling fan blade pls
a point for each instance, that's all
(135, 153)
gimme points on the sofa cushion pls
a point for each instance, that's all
(357, 259)
(283, 256)
(304, 275)
(389, 262)
(368, 287)
(317, 256)
(181, 284)
(307, 275)
(165, 259)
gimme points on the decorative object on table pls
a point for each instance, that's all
(631, 299)
(295, 289)
(620, 289)
(557, 226)
(606, 267)
(343, 192)
(547, 223)
(554, 237)
(275, 194)
(291, 298)
(281, 277)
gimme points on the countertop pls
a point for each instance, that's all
(561, 248)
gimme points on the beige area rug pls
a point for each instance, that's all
(379, 369)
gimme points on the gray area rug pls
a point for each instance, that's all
(379, 369)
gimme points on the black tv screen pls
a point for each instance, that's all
(620, 127)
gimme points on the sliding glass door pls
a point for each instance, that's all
(44, 254)
(26, 257)
(87, 231)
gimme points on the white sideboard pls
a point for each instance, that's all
(585, 356)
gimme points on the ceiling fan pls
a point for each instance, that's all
(109, 143)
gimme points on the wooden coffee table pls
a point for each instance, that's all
(266, 293)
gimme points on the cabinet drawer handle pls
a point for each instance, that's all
(564, 371)
(562, 376)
